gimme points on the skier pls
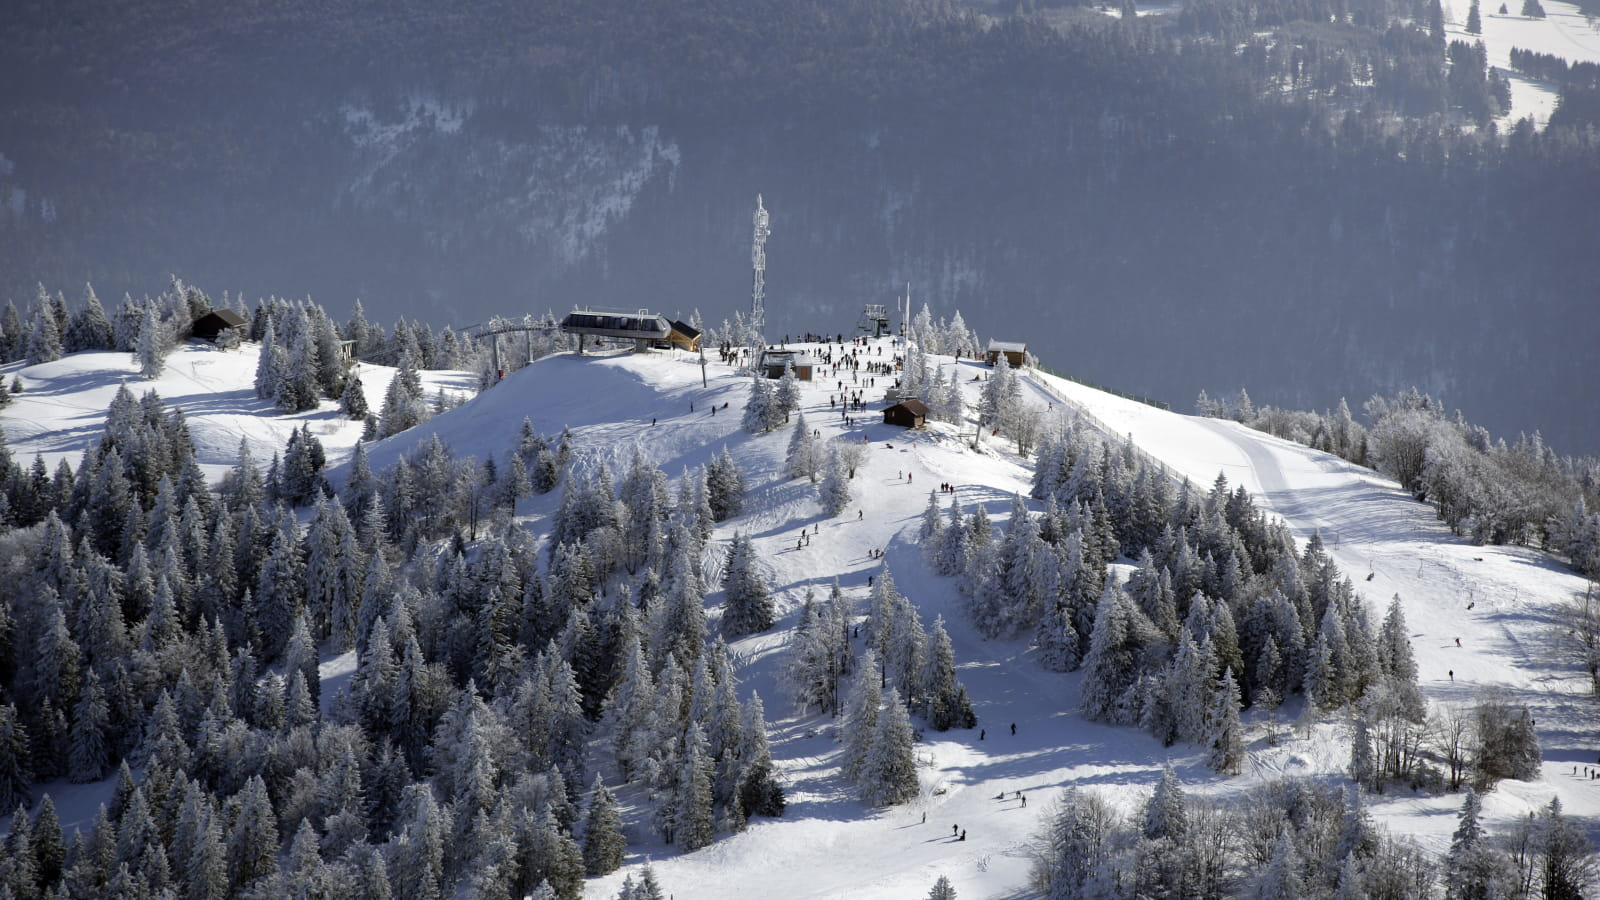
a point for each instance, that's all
(1013, 728)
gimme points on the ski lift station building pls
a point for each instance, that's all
(642, 327)
(774, 361)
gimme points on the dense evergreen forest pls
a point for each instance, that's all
(1300, 196)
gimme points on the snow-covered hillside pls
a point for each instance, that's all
(1496, 601)
(63, 404)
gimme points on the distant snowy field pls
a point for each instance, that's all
(828, 845)
(1564, 32)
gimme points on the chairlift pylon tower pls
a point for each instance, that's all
(874, 319)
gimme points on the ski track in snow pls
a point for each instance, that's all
(828, 845)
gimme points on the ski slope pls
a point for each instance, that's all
(828, 845)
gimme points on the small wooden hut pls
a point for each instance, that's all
(906, 414)
(213, 323)
(1016, 353)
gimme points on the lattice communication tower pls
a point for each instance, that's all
(758, 260)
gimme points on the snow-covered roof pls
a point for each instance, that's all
(1007, 346)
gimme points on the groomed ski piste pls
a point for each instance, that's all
(1500, 602)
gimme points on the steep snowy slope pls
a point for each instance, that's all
(1498, 601)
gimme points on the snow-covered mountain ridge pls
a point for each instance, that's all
(1480, 616)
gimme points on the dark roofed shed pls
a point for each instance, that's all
(906, 414)
(213, 323)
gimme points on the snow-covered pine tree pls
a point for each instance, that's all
(693, 828)
(154, 344)
(1057, 640)
(1113, 664)
(89, 329)
(786, 399)
(724, 486)
(353, 396)
(14, 769)
(403, 405)
(89, 755)
(1475, 869)
(932, 528)
(889, 769)
(760, 793)
(998, 394)
(44, 336)
(749, 607)
(1226, 738)
(805, 454)
(955, 544)
(1282, 876)
(861, 716)
(759, 408)
(603, 843)
(833, 493)
(943, 698)
(942, 890)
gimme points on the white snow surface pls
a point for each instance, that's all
(1564, 32)
(828, 844)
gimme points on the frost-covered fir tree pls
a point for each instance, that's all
(932, 528)
(1475, 869)
(749, 607)
(861, 716)
(603, 843)
(1226, 736)
(761, 410)
(889, 769)
(1057, 640)
(942, 890)
(786, 399)
(1397, 665)
(1282, 876)
(15, 777)
(89, 329)
(724, 486)
(760, 793)
(89, 755)
(353, 396)
(833, 493)
(943, 697)
(1112, 666)
(44, 336)
(154, 344)
(694, 828)
(806, 456)
(403, 405)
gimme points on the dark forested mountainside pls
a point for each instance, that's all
(1291, 196)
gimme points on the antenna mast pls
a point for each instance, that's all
(758, 260)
